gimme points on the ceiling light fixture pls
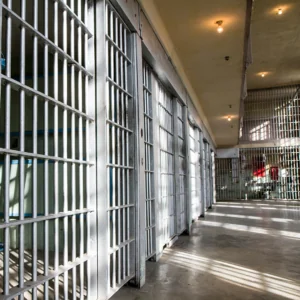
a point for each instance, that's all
(229, 118)
(263, 75)
(279, 11)
(220, 28)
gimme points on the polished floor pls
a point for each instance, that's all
(246, 250)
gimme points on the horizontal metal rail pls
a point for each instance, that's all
(46, 41)
(46, 157)
(41, 279)
(118, 48)
(45, 218)
(118, 87)
(41, 96)
(73, 16)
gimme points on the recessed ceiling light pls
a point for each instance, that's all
(279, 11)
(220, 28)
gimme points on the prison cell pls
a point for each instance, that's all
(228, 178)
(271, 114)
(120, 160)
(166, 139)
(260, 173)
(149, 162)
(181, 186)
(46, 163)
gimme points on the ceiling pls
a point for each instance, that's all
(202, 50)
(191, 27)
(275, 44)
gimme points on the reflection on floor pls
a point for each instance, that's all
(242, 250)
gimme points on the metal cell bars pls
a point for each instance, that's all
(194, 196)
(166, 182)
(44, 157)
(270, 173)
(213, 178)
(207, 175)
(200, 172)
(227, 178)
(120, 138)
(149, 162)
(271, 114)
(260, 173)
(181, 189)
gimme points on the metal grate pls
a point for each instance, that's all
(149, 162)
(271, 114)
(181, 189)
(166, 138)
(120, 168)
(46, 114)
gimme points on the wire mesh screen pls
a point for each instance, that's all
(166, 182)
(46, 119)
(260, 173)
(149, 162)
(181, 189)
(271, 114)
(121, 199)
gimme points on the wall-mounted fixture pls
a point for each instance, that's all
(263, 75)
(220, 27)
(229, 118)
(279, 11)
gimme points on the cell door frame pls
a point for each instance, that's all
(59, 103)
(136, 155)
(179, 225)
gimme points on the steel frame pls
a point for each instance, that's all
(61, 248)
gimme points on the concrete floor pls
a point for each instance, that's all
(244, 250)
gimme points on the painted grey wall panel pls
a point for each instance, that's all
(157, 57)
(129, 11)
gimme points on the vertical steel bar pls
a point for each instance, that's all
(56, 154)
(102, 147)
(89, 141)
(65, 148)
(46, 151)
(73, 148)
(22, 147)
(6, 273)
(113, 149)
(34, 136)
(80, 142)
(127, 158)
(118, 151)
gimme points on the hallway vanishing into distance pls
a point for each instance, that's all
(241, 250)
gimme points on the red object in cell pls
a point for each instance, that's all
(274, 173)
(259, 169)
(260, 172)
